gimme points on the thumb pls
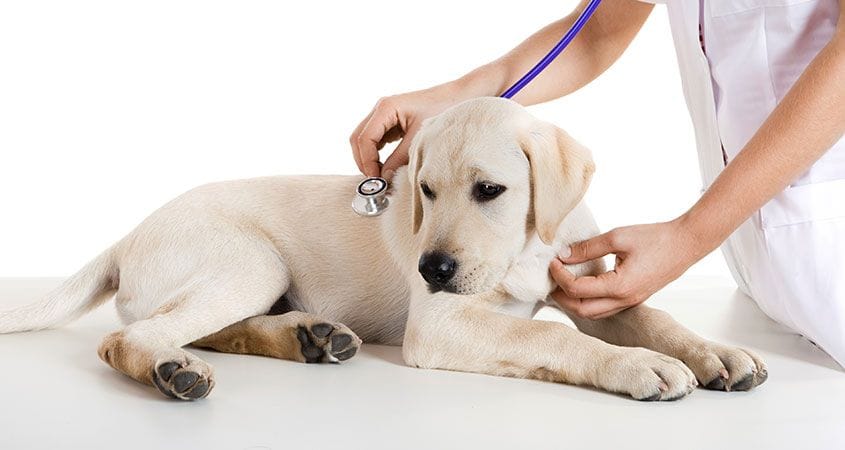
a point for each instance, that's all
(590, 249)
(399, 157)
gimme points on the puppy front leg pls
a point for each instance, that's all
(717, 366)
(464, 333)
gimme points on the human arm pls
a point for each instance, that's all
(600, 43)
(807, 122)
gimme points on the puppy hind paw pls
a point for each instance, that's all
(183, 380)
(326, 342)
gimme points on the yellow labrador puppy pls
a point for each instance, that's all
(453, 271)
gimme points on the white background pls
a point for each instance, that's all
(110, 108)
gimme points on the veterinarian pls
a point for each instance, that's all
(765, 84)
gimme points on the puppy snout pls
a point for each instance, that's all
(437, 268)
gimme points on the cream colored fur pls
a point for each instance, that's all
(207, 266)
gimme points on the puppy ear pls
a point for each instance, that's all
(414, 162)
(561, 170)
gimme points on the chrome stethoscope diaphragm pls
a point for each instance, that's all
(370, 197)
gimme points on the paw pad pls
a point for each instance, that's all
(324, 342)
(182, 382)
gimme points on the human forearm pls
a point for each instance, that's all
(798, 132)
(806, 123)
(600, 43)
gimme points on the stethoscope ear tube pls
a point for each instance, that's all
(370, 197)
(555, 51)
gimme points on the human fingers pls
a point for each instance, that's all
(367, 142)
(589, 308)
(606, 284)
(593, 248)
(399, 157)
(353, 141)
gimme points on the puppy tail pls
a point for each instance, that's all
(84, 291)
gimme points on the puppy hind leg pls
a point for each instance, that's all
(295, 336)
(150, 350)
(158, 366)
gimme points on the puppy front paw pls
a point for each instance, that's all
(724, 368)
(648, 376)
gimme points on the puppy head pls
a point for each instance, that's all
(485, 175)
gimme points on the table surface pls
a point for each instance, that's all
(56, 393)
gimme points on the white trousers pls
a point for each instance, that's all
(790, 258)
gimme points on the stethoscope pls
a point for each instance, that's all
(371, 195)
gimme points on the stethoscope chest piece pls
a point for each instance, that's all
(370, 197)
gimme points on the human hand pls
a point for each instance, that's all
(648, 257)
(396, 117)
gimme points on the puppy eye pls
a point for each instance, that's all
(427, 191)
(485, 191)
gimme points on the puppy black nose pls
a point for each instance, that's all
(437, 268)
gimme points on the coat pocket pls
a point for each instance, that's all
(719, 8)
(805, 203)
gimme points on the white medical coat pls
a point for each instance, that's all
(738, 59)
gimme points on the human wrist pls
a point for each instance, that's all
(699, 231)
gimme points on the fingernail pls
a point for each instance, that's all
(565, 252)
(388, 174)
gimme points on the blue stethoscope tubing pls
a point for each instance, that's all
(555, 51)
